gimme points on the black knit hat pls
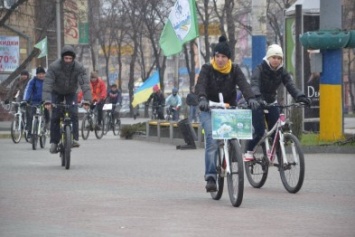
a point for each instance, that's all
(222, 47)
(40, 70)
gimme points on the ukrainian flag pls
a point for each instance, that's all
(145, 90)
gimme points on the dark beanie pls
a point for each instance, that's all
(222, 47)
(40, 70)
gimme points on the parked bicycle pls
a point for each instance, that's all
(18, 125)
(285, 153)
(90, 123)
(39, 130)
(112, 120)
(229, 160)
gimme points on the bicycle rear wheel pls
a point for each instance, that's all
(116, 126)
(35, 134)
(67, 146)
(257, 170)
(235, 178)
(292, 172)
(220, 175)
(85, 127)
(16, 130)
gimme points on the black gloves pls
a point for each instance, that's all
(203, 104)
(253, 104)
(304, 99)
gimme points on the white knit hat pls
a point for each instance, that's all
(274, 50)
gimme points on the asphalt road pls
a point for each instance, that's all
(136, 188)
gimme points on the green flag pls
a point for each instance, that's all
(180, 28)
(42, 45)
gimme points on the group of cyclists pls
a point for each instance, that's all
(61, 83)
(172, 104)
(219, 76)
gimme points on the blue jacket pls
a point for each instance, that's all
(33, 91)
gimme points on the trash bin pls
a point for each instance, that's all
(188, 134)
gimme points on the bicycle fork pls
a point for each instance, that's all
(283, 150)
(226, 156)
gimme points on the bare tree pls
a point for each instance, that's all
(42, 25)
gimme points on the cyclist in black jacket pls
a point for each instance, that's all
(219, 76)
(158, 101)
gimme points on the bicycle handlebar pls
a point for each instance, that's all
(275, 104)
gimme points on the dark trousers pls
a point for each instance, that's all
(99, 107)
(57, 112)
(259, 124)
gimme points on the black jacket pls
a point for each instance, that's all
(192, 99)
(210, 82)
(265, 82)
(158, 99)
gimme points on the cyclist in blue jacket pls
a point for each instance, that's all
(33, 95)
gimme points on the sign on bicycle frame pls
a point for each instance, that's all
(107, 107)
(232, 123)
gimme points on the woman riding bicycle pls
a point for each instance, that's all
(265, 80)
(219, 76)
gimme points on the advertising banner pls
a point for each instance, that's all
(9, 53)
(76, 24)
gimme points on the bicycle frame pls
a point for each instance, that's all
(20, 115)
(39, 116)
(279, 137)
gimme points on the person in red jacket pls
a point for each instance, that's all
(98, 92)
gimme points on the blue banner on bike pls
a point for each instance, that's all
(228, 124)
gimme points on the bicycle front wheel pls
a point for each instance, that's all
(43, 135)
(258, 168)
(35, 134)
(67, 146)
(116, 126)
(99, 130)
(235, 178)
(16, 129)
(292, 166)
(85, 127)
(107, 123)
(220, 175)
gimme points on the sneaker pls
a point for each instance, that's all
(75, 144)
(248, 156)
(211, 185)
(54, 148)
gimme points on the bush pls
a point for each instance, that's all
(127, 131)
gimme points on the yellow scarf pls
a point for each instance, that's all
(224, 70)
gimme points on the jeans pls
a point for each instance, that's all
(259, 124)
(193, 113)
(211, 146)
(70, 99)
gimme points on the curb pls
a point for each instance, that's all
(333, 149)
